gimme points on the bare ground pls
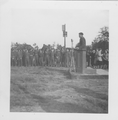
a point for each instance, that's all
(39, 89)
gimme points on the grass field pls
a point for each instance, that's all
(39, 89)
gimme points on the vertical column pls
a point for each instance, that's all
(80, 61)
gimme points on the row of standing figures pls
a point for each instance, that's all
(98, 58)
(58, 58)
(50, 57)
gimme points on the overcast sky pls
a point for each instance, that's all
(44, 26)
(41, 22)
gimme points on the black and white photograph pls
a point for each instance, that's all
(58, 57)
(57, 63)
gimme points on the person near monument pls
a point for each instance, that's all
(93, 58)
(82, 44)
(80, 54)
(88, 58)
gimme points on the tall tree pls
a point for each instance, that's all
(102, 40)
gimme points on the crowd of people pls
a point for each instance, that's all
(46, 56)
(56, 57)
(98, 58)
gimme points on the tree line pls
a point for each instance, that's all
(102, 40)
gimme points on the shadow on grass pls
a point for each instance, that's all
(49, 104)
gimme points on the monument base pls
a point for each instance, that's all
(90, 73)
(80, 61)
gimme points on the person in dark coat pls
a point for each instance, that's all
(82, 44)
(92, 58)
(88, 58)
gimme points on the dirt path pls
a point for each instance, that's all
(38, 89)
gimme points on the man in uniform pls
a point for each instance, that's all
(82, 47)
(63, 54)
(82, 44)
(41, 57)
(27, 57)
(36, 57)
(31, 57)
(19, 57)
(13, 62)
(52, 57)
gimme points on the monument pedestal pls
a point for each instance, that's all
(80, 60)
